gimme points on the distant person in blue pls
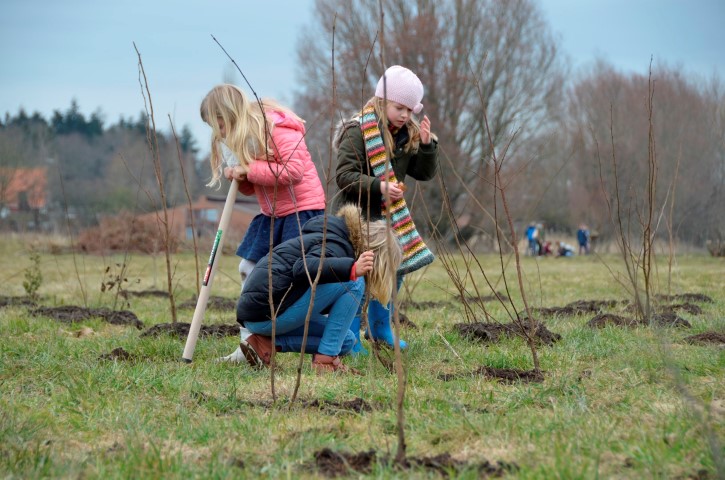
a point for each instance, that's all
(584, 238)
(532, 235)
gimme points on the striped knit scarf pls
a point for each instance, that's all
(415, 253)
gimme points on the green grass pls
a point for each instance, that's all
(615, 403)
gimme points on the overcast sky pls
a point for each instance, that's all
(54, 51)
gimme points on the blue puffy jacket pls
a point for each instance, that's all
(290, 278)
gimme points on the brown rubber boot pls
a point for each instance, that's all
(327, 364)
(257, 349)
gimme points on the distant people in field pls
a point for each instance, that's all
(546, 249)
(563, 249)
(584, 239)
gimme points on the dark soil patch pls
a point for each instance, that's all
(181, 330)
(214, 303)
(73, 314)
(406, 322)
(704, 338)
(667, 309)
(118, 354)
(236, 462)
(357, 405)
(506, 375)
(424, 305)
(497, 296)
(492, 332)
(701, 474)
(16, 302)
(337, 464)
(604, 319)
(667, 319)
(577, 307)
(688, 307)
(670, 319)
(145, 293)
(685, 297)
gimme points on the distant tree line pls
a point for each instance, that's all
(96, 170)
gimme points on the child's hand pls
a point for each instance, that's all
(393, 189)
(237, 172)
(364, 264)
(425, 130)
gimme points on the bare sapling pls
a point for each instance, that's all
(153, 145)
(192, 220)
(638, 261)
(528, 326)
(401, 451)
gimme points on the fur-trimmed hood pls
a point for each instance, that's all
(342, 127)
(352, 215)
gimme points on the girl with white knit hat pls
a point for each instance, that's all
(376, 149)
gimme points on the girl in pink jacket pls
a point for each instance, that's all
(274, 165)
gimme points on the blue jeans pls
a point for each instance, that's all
(327, 334)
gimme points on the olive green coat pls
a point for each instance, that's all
(354, 175)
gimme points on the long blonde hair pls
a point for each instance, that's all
(247, 129)
(388, 255)
(412, 125)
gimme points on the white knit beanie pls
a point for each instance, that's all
(401, 85)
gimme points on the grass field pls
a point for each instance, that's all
(615, 403)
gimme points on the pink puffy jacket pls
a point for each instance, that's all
(298, 186)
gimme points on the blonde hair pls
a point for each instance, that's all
(247, 129)
(413, 127)
(388, 256)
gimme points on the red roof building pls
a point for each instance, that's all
(23, 189)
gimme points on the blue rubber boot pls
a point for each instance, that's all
(357, 349)
(380, 328)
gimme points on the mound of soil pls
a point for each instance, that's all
(688, 307)
(73, 314)
(704, 338)
(506, 375)
(604, 319)
(670, 319)
(118, 354)
(577, 307)
(423, 305)
(685, 297)
(406, 322)
(492, 332)
(667, 319)
(333, 464)
(144, 293)
(16, 302)
(181, 330)
(214, 303)
(356, 405)
(497, 296)
(337, 464)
